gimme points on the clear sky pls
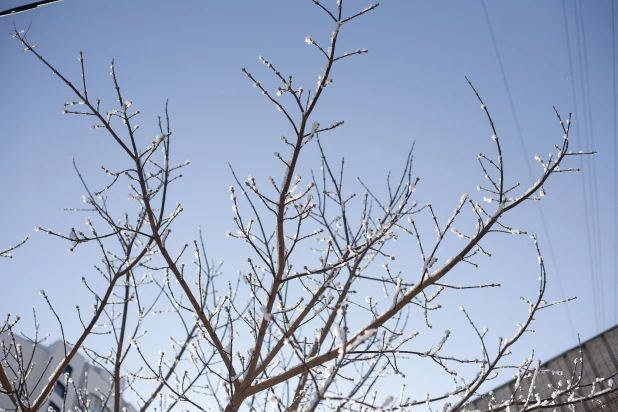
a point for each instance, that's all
(409, 87)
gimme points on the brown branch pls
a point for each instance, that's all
(100, 309)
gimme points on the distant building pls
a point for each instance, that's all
(90, 387)
(600, 355)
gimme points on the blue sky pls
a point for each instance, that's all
(409, 87)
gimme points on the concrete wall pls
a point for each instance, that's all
(600, 356)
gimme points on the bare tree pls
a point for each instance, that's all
(312, 341)
(6, 253)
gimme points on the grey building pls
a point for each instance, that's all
(83, 385)
(600, 360)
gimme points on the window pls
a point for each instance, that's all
(96, 405)
(60, 387)
(53, 407)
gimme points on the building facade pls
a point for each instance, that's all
(83, 387)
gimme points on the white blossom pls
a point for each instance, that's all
(429, 262)
(387, 401)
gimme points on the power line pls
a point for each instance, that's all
(591, 170)
(614, 91)
(21, 9)
(595, 292)
(525, 152)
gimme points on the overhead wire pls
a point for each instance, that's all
(26, 7)
(586, 198)
(614, 92)
(591, 170)
(527, 162)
